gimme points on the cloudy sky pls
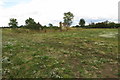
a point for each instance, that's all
(51, 11)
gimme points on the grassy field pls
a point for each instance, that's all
(81, 53)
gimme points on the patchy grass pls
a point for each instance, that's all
(80, 53)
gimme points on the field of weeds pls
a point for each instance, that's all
(81, 53)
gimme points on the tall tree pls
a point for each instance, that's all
(68, 17)
(30, 21)
(13, 23)
(82, 22)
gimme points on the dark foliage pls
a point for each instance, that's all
(82, 22)
(31, 24)
(105, 24)
(13, 23)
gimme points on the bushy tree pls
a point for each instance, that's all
(50, 25)
(68, 17)
(39, 26)
(13, 23)
(30, 21)
(82, 22)
(31, 24)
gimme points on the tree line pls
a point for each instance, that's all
(105, 24)
(68, 20)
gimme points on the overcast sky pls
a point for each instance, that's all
(51, 11)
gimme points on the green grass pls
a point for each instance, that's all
(80, 53)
